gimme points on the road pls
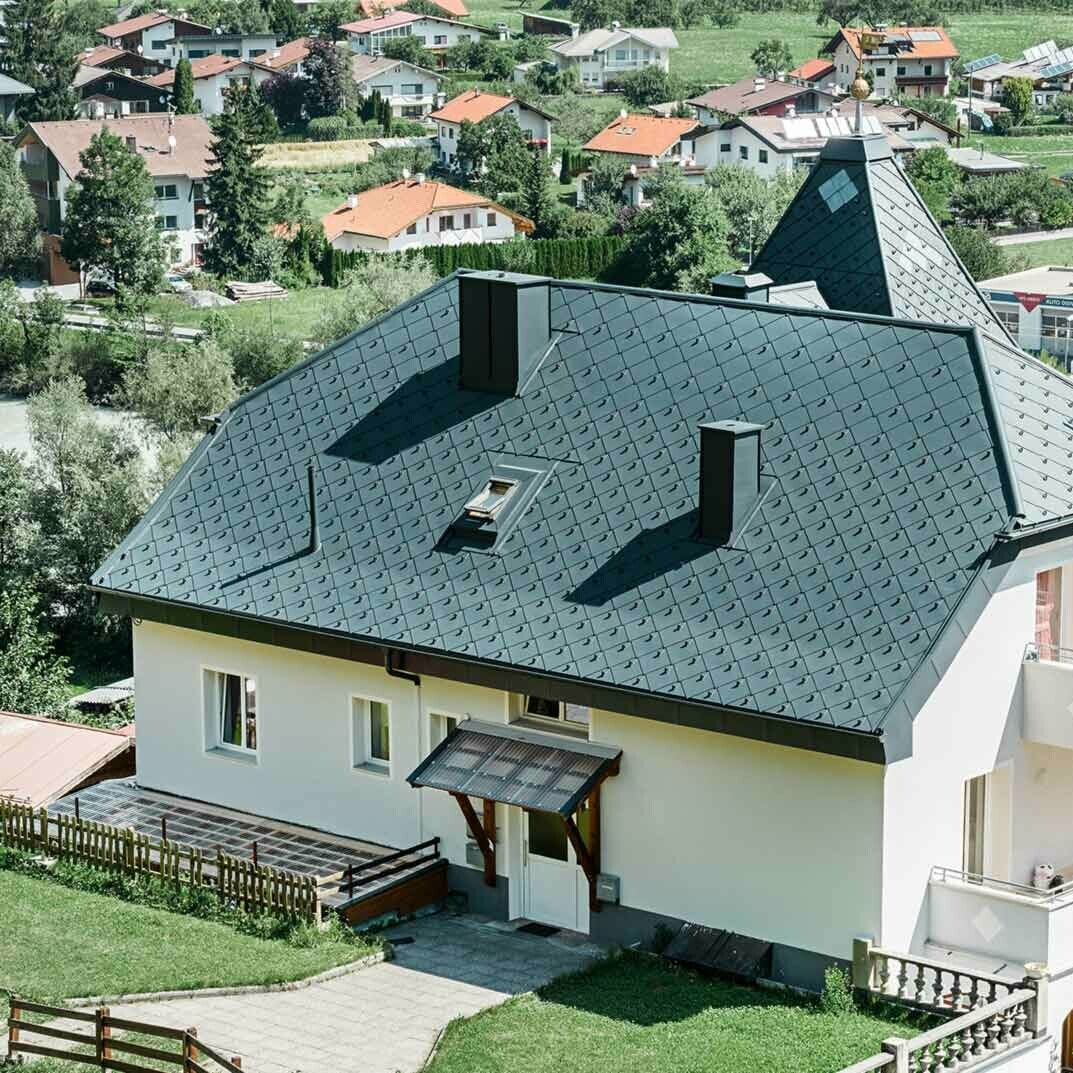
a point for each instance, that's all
(15, 424)
(1032, 236)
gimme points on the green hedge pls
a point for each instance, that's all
(1042, 130)
(561, 258)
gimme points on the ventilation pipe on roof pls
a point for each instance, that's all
(729, 478)
(747, 286)
(622, 113)
(420, 177)
(758, 84)
(505, 329)
(132, 142)
(352, 201)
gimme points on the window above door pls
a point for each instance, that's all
(544, 713)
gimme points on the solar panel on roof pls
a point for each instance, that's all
(925, 35)
(978, 65)
(871, 125)
(1055, 69)
(798, 128)
(1039, 52)
(1062, 55)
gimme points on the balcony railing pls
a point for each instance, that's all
(1052, 897)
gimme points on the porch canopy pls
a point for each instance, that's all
(528, 768)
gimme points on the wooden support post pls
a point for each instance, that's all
(594, 844)
(12, 1025)
(236, 1061)
(475, 829)
(192, 1047)
(104, 1034)
(584, 858)
(490, 834)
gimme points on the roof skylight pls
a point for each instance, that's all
(487, 503)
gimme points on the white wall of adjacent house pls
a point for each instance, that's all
(209, 92)
(769, 841)
(155, 42)
(599, 68)
(473, 224)
(535, 127)
(433, 34)
(412, 93)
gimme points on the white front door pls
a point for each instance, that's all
(551, 884)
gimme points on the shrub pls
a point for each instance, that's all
(258, 354)
(837, 997)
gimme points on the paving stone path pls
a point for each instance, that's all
(381, 1019)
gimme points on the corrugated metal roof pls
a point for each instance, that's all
(516, 766)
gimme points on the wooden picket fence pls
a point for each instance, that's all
(186, 1050)
(257, 888)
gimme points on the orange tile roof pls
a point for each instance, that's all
(144, 22)
(205, 67)
(285, 55)
(640, 135)
(813, 69)
(917, 50)
(383, 22)
(386, 210)
(455, 8)
(473, 105)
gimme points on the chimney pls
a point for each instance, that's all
(132, 142)
(420, 177)
(505, 329)
(405, 174)
(352, 201)
(746, 286)
(729, 478)
(758, 84)
(622, 113)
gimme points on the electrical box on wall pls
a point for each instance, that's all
(607, 888)
(474, 857)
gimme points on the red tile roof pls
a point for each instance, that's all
(810, 70)
(144, 22)
(640, 135)
(389, 209)
(205, 67)
(382, 22)
(285, 55)
(452, 8)
(943, 48)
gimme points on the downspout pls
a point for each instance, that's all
(314, 526)
(394, 672)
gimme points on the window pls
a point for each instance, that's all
(1049, 612)
(414, 89)
(447, 223)
(371, 735)
(198, 190)
(1056, 327)
(762, 156)
(440, 726)
(620, 54)
(139, 106)
(488, 502)
(491, 219)
(412, 229)
(1010, 319)
(159, 45)
(725, 147)
(574, 716)
(881, 72)
(255, 52)
(927, 69)
(167, 223)
(743, 152)
(231, 711)
(900, 70)
(166, 192)
(439, 39)
(467, 219)
(384, 90)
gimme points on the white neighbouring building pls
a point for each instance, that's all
(474, 106)
(601, 56)
(416, 211)
(252, 46)
(913, 60)
(368, 36)
(1036, 307)
(1049, 67)
(49, 155)
(411, 91)
(152, 35)
(213, 77)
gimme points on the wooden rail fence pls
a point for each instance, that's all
(187, 1051)
(257, 888)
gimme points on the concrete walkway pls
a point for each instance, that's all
(1032, 236)
(384, 1018)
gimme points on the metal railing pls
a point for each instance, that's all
(1037, 653)
(1053, 898)
(365, 873)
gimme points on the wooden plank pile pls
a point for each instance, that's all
(254, 292)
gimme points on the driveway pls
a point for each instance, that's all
(384, 1018)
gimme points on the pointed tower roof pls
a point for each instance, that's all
(860, 230)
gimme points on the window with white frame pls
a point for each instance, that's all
(371, 734)
(231, 710)
(439, 727)
(491, 219)
(543, 711)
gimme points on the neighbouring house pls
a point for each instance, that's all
(639, 607)
(452, 9)
(119, 59)
(474, 106)
(411, 91)
(600, 57)
(213, 77)
(649, 141)
(244, 46)
(106, 699)
(979, 164)
(978, 114)
(913, 60)
(760, 96)
(289, 57)
(818, 73)
(1049, 67)
(11, 90)
(41, 760)
(415, 212)
(107, 93)
(177, 151)
(367, 36)
(1036, 308)
(150, 34)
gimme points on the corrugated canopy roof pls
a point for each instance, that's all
(517, 766)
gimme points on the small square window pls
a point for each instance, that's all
(491, 219)
(440, 726)
(412, 229)
(762, 156)
(576, 716)
(371, 735)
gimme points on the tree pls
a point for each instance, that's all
(285, 20)
(594, 14)
(603, 184)
(648, 85)
(982, 258)
(941, 108)
(328, 16)
(935, 177)
(19, 238)
(982, 201)
(383, 282)
(178, 385)
(330, 88)
(495, 150)
(237, 187)
(772, 57)
(752, 205)
(110, 223)
(37, 50)
(408, 48)
(285, 94)
(33, 679)
(1018, 97)
(182, 90)
(680, 241)
(537, 200)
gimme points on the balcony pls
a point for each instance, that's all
(1048, 695)
(1004, 923)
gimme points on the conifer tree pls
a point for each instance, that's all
(237, 187)
(182, 89)
(35, 50)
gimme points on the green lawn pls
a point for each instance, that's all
(635, 1014)
(1058, 251)
(1054, 153)
(58, 943)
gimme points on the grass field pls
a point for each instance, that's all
(315, 155)
(1057, 251)
(1054, 153)
(634, 1014)
(60, 943)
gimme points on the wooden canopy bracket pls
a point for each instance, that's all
(484, 835)
(588, 856)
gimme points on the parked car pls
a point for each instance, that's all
(177, 283)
